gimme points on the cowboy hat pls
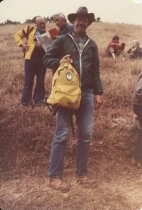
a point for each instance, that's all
(82, 11)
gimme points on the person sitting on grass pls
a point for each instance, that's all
(114, 48)
(135, 51)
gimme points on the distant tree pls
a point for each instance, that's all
(11, 22)
(51, 19)
(32, 20)
(98, 19)
(48, 19)
(29, 20)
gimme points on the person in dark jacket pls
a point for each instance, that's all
(83, 54)
(137, 108)
(62, 24)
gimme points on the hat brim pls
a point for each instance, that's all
(73, 16)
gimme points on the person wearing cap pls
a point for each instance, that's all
(114, 48)
(62, 24)
(83, 54)
(33, 54)
(135, 51)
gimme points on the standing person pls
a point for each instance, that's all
(33, 54)
(62, 24)
(114, 48)
(137, 108)
(84, 57)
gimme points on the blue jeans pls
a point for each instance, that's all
(84, 121)
(33, 68)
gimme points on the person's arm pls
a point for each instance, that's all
(54, 54)
(19, 38)
(112, 52)
(113, 44)
(98, 87)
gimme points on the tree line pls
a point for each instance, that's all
(48, 19)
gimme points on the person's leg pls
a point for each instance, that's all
(39, 91)
(138, 153)
(63, 123)
(85, 120)
(139, 146)
(28, 83)
(112, 53)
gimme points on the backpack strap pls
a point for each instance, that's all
(29, 30)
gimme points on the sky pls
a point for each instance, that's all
(121, 11)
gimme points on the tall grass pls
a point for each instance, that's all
(25, 134)
(118, 76)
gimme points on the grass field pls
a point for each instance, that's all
(26, 134)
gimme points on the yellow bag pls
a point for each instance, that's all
(66, 90)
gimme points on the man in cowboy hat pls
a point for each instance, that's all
(83, 54)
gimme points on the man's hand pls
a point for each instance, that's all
(25, 47)
(98, 101)
(37, 45)
(66, 59)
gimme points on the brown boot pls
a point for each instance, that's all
(58, 184)
(86, 182)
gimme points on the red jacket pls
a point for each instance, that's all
(115, 45)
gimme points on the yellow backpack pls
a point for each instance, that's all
(65, 90)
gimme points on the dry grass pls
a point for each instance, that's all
(26, 135)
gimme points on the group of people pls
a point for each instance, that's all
(116, 49)
(34, 53)
(70, 42)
